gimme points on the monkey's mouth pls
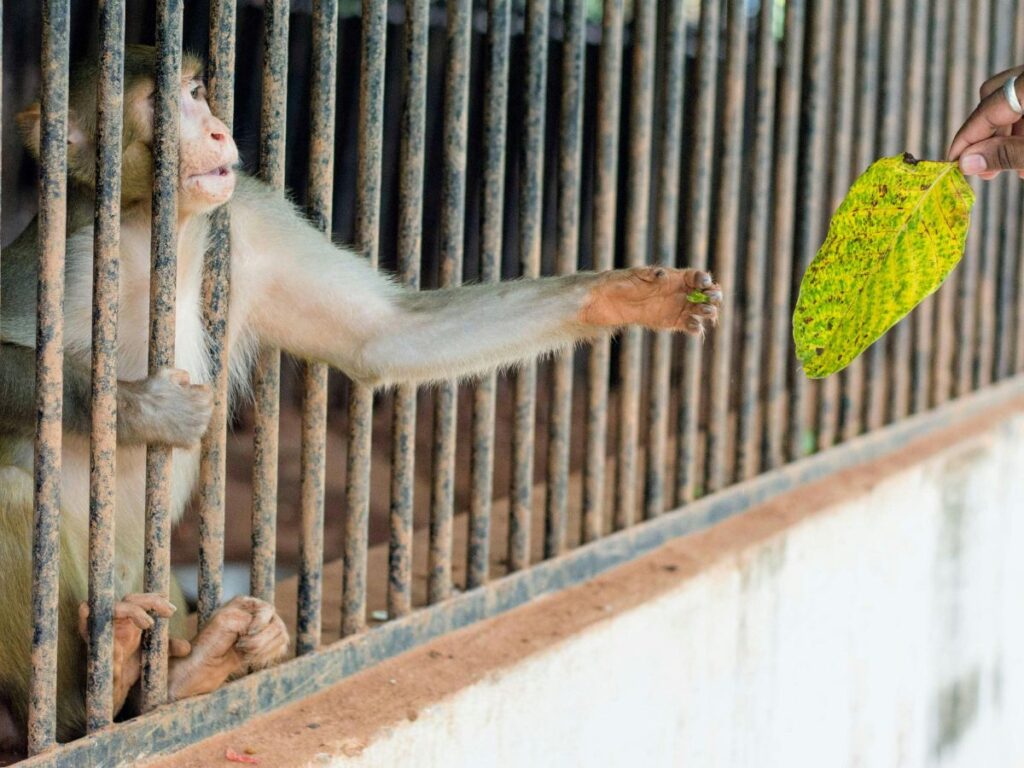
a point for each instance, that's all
(218, 172)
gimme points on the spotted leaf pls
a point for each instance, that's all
(892, 242)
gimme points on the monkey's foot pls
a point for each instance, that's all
(655, 297)
(245, 634)
(131, 617)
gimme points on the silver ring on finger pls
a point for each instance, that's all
(1010, 92)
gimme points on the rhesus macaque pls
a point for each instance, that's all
(290, 288)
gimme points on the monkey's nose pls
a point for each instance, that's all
(216, 136)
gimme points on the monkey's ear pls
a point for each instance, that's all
(28, 125)
(28, 121)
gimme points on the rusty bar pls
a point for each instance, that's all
(751, 417)
(967, 314)
(930, 115)
(42, 705)
(570, 161)
(995, 216)
(786, 148)
(868, 50)
(844, 73)
(360, 403)
(697, 243)
(99, 688)
(453, 192)
(606, 170)
(491, 236)
(810, 211)
(1009, 283)
(267, 373)
(1006, 224)
(216, 268)
(888, 141)
(954, 44)
(666, 231)
(410, 244)
(910, 353)
(531, 200)
(1017, 364)
(314, 383)
(163, 274)
(636, 223)
(727, 222)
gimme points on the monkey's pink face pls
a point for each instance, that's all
(208, 154)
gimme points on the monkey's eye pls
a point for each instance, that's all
(197, 90)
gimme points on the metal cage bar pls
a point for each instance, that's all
(637, 247)
(453, 193)
(163, 278)
(491, 235)
(751, 416)
(810, 211)
(844, 72)
(267, 372)
(909, 368)
(857, 375)
(531, 198)
(314, 384)
(570, 161)
(666, 239)
(410, 244)
(955, 44)
(606, 172)
(785, 185)
(969, 266)
(103, 394)
(727, 235)
(360, 403)
(215, 287)
(42, 705)
(697, 244)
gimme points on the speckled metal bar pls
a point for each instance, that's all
(360, 404)
(163, 277)
(606, 171)
(314, 379)
(42, 703)
(99, 685)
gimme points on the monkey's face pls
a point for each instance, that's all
(207, 156)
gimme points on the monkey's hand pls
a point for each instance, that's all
(245, 634)
(165, 409)
(654, 297)
(131, 617)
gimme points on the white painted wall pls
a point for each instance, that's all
(887, 632)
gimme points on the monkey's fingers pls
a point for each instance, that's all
(83, 621)
(151, 601)
(178, 648)
(136, 614)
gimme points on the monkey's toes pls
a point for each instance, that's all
(131, 615)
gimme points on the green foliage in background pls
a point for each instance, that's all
(892, 242)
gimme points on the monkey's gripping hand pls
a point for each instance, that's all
(165, 409)
(131, 618)
(654, 297)
(245, 634)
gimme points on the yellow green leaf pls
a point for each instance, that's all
(892, 242)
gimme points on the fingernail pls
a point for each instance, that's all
(973, 164)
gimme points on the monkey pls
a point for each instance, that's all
(290, 288)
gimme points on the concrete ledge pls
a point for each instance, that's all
(873, 618)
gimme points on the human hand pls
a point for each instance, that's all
(992, 138)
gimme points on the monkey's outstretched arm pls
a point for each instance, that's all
(318, 301)
(163, 409)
